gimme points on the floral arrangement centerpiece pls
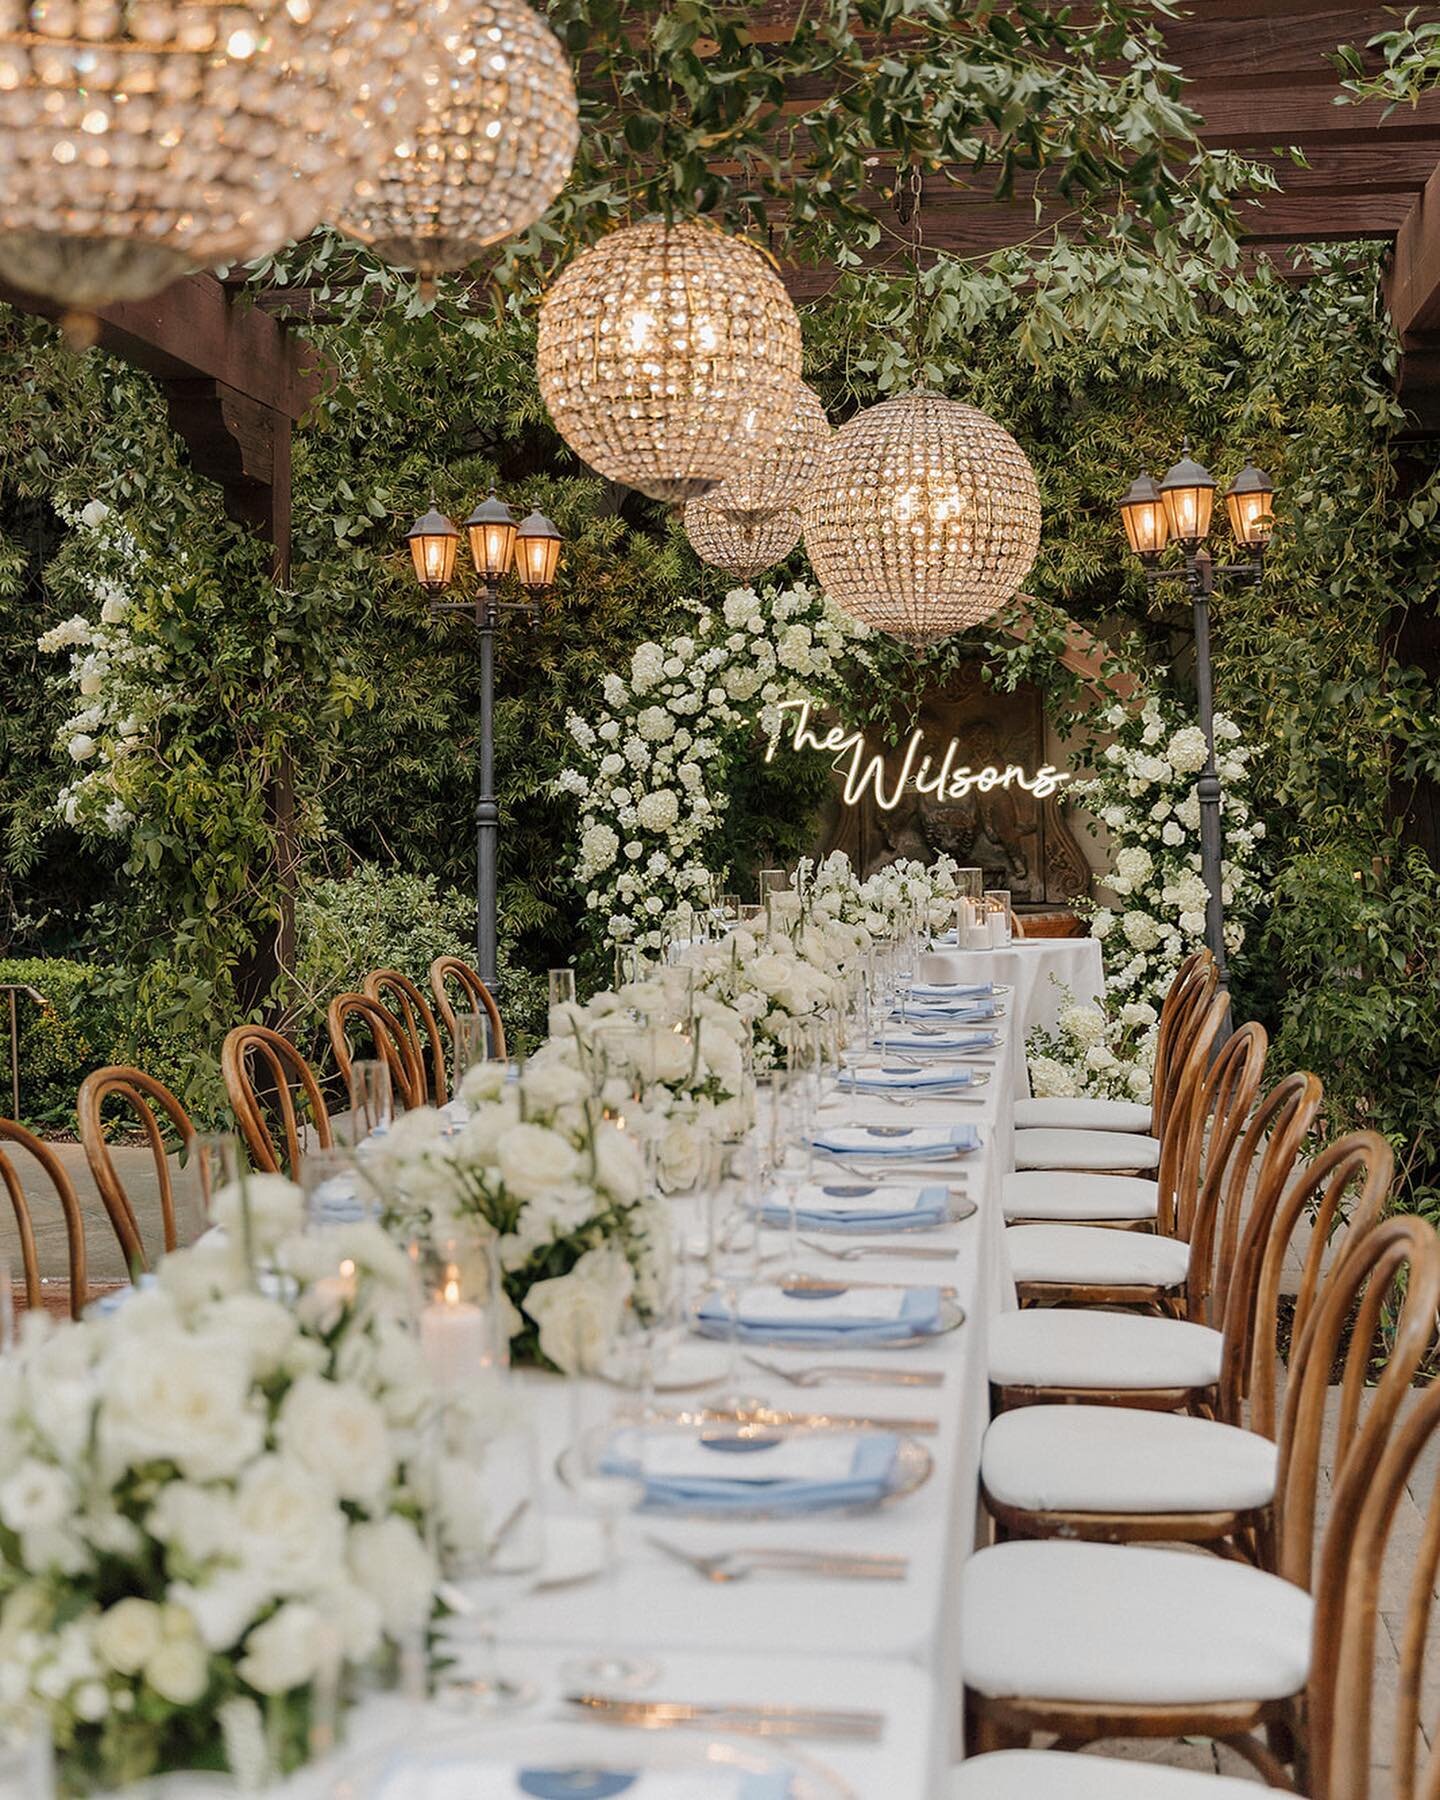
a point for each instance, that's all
(909, 889)
(774, 978)
(211, 1502)
(557, 1193)
(1105, 1052)
(678, 1050)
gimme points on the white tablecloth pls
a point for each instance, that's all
(664, 1609)
(1039, 970)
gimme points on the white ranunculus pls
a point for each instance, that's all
(533, 1160)
(390, 1563)
(284, 1652)
(128, 1634)
(338, 1433)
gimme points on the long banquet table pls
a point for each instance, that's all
(1044, 974)
(773, 1625)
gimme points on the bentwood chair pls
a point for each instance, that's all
(1096, 1265)
(286, 1088)
(1090, 1641)
(365, 1017)
(1089, 1113)
(149, 1101)
(1339, 1708)
(413, 1013)
(56, 1178)
(1117, 1474)
(1104, 1190)
(447, 972)
(1124, 1152)
(1072, 1355)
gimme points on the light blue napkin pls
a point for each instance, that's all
(952, 990)
(957, 1013)
(869, 1480)
(480, 1774)
(904, 1078)
(906, 1143)
(929, 1206)
(919, 1317)
(937, 1043)
(337, 1202)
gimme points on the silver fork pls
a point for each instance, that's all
(858, 1373)
(853, 1252)
(739, 1565)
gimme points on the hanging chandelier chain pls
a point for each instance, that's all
(915, 183)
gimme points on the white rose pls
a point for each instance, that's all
(619, 1167)
(681, 1152)
(282, 1653)
(267, 1206)
(179, 1671)
(390, 1563)
(534, 1160)
(82, 746)
(289, 1531)
(178, 1397)
(94, 513)
(338, 1433)
(223, 1606)
(128, 1634)
(198, 1521)
(578, 1314)
(38, 1495)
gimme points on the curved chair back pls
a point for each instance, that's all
(358, 1013)
(150, 1101)
(1212, 1103)
(1182, 1016)
(448, 971)
(400, 997)
(1368, 1500)
(1252, 1189)
(54, 1171)
(284, 1075)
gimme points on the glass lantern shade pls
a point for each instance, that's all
(1189, 494)
(537, 553)
(1143, 514)
(1248, 502)
(492, 538)
(433, 540)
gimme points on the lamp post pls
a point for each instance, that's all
(496, 544)
(1178, 510)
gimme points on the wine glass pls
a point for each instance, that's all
(610, 1494)
(335, 1190)
(372, 1100)
(562, 995)
(474, 1043)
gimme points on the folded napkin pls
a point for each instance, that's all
(858, 1206)
(955, 1012)
(936, 1043)
(908, 1143)
(952, 990)
(823, 1315)
(879, 1078)
(336, 1202)
(481, 1775)
(720, 1471)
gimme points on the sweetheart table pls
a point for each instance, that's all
(1040, 971)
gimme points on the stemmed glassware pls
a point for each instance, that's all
(372, 1100)
(474, 1043)
(562, 995)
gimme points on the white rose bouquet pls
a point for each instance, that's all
(774, 979)
(210, 1499)
(1103, 1052)
(556, 1189)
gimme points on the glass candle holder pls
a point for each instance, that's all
(997, 906)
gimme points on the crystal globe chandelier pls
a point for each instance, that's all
(142, 139)
(491, 146)
(924, 517)
(668, 356)
(777, 478)
(745, 547)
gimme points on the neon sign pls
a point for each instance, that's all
(864, 769)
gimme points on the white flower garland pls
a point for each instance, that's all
(1145, 794)
(114, 675)
(649, 775)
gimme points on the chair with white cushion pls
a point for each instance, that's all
(1131, 1152)
(1117, 1474)
(1095, 1265)
(1074, 1355)
(1093, 1640)
(1339, 1737)
(1085, 1112)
